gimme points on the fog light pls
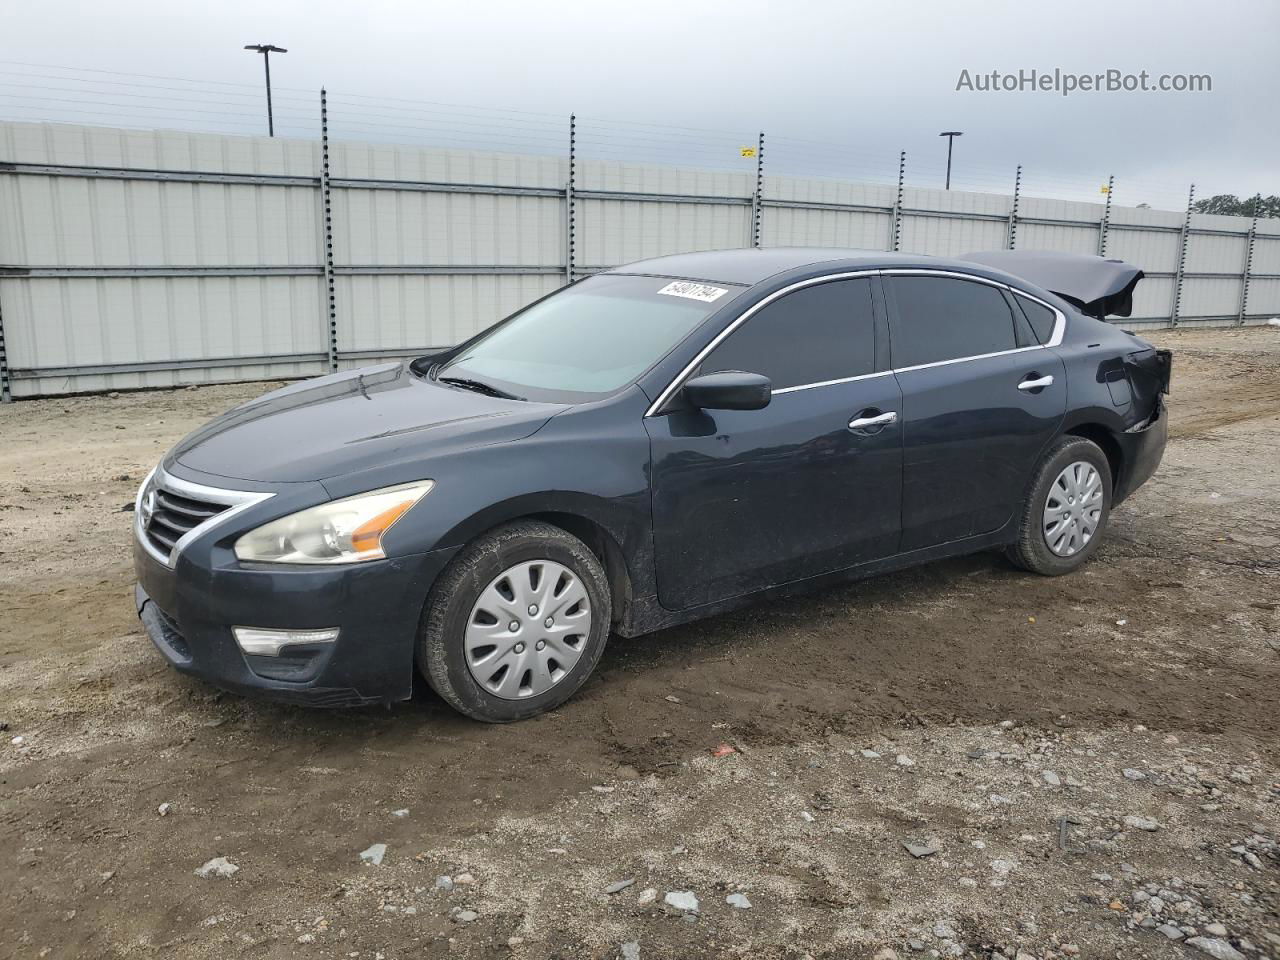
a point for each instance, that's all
(268, 643)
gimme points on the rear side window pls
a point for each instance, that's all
(818, 333)
(941, 318)
(1041, 318)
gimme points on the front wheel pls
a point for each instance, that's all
(516, 623)
(1066, 510)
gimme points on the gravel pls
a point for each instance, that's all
(109, 729)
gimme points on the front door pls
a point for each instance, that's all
(744, 500)
(980, 400)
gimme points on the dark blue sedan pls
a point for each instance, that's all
(651, 445)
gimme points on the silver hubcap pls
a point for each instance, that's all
(527, 630)
(1073, 509)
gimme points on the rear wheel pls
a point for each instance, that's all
(1066, 510)
(516, 623)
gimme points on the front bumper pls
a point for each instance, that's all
(188, 612)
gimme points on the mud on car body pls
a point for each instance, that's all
(651, 445)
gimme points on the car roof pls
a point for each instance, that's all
(752, 265)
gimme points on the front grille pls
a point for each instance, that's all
(167, 516)
(169, 508)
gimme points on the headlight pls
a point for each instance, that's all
(344, 531)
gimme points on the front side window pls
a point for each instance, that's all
(815, 334)
(589, 340)
(942, 318)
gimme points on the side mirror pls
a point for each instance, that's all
(729, 390)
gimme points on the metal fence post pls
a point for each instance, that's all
(757, 199)
(1106, 218)
(331, 311)
(570, 201)
(1011, 236)
(1182, 258)
(895, 228)
(6, 394)
(6, 389)
(1244, 283)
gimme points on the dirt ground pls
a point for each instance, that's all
(964, 708)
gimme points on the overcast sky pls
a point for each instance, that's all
(869, 79)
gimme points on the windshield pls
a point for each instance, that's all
(589, 340)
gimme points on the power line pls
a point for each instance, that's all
(142, 98)
(149, 76)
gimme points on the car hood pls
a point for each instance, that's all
(342, 423)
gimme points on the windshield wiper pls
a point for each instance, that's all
(479, 386)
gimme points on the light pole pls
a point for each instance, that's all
(267, 49)
(951, 138)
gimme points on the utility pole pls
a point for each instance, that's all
(951, 138)
(267, 49)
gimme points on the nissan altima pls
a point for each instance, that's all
(650, 445)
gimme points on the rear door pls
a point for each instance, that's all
(980, 400)
(748, 499)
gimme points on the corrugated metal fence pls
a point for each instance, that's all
(134, 259)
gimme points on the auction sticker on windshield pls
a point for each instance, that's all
(693, 291)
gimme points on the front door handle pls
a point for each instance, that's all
(878, 420)
(1036, 383)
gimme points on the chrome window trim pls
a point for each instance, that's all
(1059, 329)
(237, 501)
(829, 383)
(978, 356)
(746, 315)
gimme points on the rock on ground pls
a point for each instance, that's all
(1216, 947)
(1141, 823)
(682, 900)
(217, 867)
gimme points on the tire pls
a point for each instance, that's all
(1033, 550)
(510, 565)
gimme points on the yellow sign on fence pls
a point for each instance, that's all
(748, 151)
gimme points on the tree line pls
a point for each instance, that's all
(1230, 205)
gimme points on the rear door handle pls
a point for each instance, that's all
(879, 420)
(1036, 383)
